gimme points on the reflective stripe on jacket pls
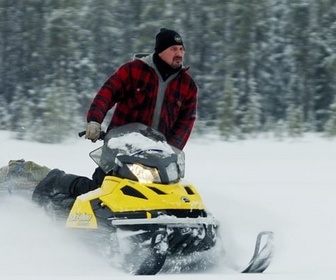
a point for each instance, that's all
(133, 87)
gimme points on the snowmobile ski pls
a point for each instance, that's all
(263, 253)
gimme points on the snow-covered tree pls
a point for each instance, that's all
(59, 118)
(330, 126)
(4, 114)
(294, 121)
(226, 110)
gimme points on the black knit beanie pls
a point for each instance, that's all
(167, 38)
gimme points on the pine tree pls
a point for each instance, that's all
(59, 115)
(226, 111)
(294, 121)
(22, 113)
(279, 130)
(330, 126)
(251, 120)
(4, 114)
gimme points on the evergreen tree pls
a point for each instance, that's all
(4, 114)
(251, 122)
(330, 126)
(322, 71)
(226, 111)
(294, 121)
(21, 113)
(280, 130)
(59, 119)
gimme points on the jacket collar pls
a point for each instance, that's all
(149, 60)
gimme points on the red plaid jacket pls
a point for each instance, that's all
(133, 87)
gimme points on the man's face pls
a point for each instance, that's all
(173, 56)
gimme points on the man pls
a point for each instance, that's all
(155, 90)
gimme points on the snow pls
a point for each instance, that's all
(133, 140)
(286, 186)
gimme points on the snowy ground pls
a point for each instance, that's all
(288, 187)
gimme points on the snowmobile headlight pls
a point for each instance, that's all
(144, 174)
(172, 172)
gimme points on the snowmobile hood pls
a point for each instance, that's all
(125, 199)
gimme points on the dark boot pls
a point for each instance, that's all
(61, 194)
(55, 189)
(61, 189)
(68, 187)
(98, 176)
(43, 190)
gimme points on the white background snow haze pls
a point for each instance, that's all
(287, 186)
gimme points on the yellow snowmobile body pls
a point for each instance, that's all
(130, 202)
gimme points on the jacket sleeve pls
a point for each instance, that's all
(109, 94)
(187, 116)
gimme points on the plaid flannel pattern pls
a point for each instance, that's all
(133, 89)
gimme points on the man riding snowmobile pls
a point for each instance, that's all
(166, 101)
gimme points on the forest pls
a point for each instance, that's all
(262, 66)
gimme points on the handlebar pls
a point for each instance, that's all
(101, 136)
(82, 133)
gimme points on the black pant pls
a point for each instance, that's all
(61, 188)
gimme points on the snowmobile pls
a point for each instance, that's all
(145, 216)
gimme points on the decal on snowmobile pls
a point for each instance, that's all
(81, 216)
